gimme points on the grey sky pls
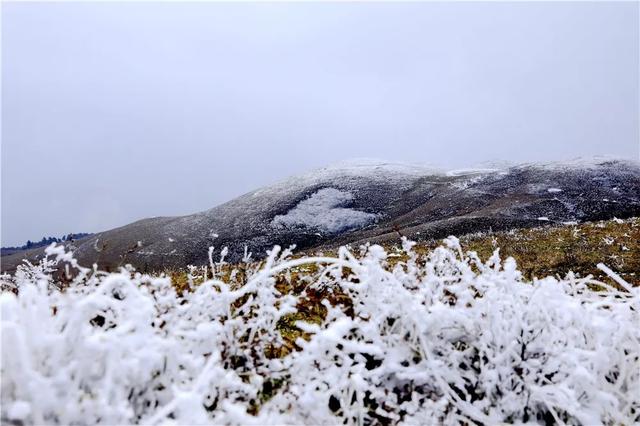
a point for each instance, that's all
(112, 112)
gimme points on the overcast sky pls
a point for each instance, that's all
(112, 112)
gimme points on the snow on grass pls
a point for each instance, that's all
(448, 339)
(376, 167)
(323, 211)
(578, 163)
(471, 171)
(348, 174)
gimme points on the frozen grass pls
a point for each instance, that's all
(446, 339)
(558, 249)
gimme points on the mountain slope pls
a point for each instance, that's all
(370, 201)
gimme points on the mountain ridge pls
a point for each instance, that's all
(370, 200)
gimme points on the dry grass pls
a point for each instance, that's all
(539, 252)
(556, 250)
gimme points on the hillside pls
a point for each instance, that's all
(551, 250)
(370, 201)
(556, 250)
(489, 328)
(45, 241)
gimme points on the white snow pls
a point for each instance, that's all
(322, 211)
(19, 410)
(374, 166)
(445, 339)
(471, 171)
(465, 183)
(577, 163)
(543, 218)
(362, 167)
(554, 190)
(350, 174)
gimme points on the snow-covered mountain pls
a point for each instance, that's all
(371, 200)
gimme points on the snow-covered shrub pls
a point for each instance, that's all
(443, 339)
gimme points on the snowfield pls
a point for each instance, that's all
(447, 339)
(323, 211)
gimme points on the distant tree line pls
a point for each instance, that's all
(45, 241)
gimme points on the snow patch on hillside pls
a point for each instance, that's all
(323, 211)
(470, 171)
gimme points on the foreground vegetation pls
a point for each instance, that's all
(408, 334)
(559, 249)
